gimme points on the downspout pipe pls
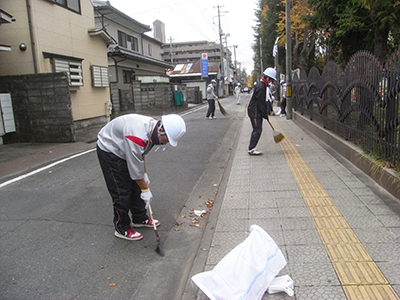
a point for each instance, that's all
(31, 35)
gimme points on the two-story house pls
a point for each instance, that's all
(53, 37)
(135, 63)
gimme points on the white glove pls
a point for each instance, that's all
(146, 179)
(146, 196)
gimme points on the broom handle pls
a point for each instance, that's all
(270, 124)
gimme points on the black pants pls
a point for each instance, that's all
(256, 133)
(211, 108)
(125, 192)
(270, 110)
(283, 106)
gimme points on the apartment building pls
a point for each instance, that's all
(187, 56)
(190, 52)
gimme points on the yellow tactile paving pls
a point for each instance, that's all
(331, 223)
(338, 236)
(317, 201)
(358, 274)
(348, 252)
(313, 193)
(370, 292)
(324, 211)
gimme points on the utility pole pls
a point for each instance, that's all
(234, 51)
(288, 62)
(226, 71)
(171, 54)
(221, 49)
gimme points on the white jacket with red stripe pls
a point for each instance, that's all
(127, 137)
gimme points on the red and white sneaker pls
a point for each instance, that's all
(130, 235)
(147, 223)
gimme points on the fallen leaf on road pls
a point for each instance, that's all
(210, 203)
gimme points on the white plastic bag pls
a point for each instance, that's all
(246, 271)
(281, 284)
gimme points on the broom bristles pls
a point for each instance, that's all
(278, 136)
(222, 109)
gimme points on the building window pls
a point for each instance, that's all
(150, 52)
(122, 39)
(128, 76)
(99, 76)
(134, 43)
(73, 5)
(72, 68)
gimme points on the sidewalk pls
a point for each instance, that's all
(333, 224)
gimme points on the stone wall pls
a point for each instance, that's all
(152, 99)
(41, 106)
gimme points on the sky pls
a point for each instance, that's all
(197, 20)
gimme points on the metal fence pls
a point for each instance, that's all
(360, 103)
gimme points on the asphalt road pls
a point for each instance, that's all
(57, 232)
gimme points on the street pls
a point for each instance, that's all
(56, 226)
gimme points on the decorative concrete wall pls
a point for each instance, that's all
(42, 108)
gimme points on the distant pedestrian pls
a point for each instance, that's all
(211, 97)
(282, 111)
(238, 90)
(121, 149)
(257, 108)
(271, 89)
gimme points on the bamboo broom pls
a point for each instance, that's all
(222, 109)
(277, 135)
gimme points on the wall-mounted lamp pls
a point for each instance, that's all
(22, 47)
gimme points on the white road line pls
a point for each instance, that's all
(192, 111)
(44, 168)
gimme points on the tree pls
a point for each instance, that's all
(384, 23)
(355, 25)
(304, 39)
(267, 19)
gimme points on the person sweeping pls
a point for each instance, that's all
(257, 108)
(121, 149)
(211, 98)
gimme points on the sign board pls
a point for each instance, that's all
(204, 65)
